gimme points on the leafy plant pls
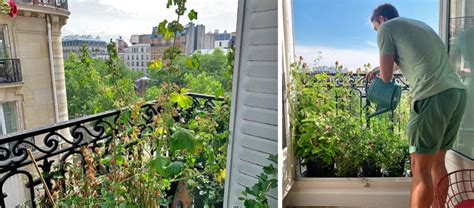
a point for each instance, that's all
(139, 165)
(256, 196)
(330, 128)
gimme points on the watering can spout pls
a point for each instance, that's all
(378, 111)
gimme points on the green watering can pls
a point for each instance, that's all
(385, 95)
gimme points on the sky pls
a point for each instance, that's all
(115, 18)
(341, 29)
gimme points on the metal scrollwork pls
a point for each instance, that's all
(64, 140)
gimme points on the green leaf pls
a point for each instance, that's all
(167, 35)
(174, 169)
(159, 164)
(273, 158)
(219, 93)
(182, 100)
(106, 160)
(155, 64)
(193, 63)
(182, 139)
(120, 160)
(162, 29)
(192, 15)
(125, 116)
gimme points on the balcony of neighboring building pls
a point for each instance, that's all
(58, 7)
(10, 71)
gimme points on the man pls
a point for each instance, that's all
(439, 97)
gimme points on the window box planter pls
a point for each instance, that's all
(350, 192)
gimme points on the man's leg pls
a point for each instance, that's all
(438, 170)
(422, 186)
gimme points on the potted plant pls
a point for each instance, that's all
(329, 131)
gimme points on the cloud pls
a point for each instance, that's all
(110, 17)
(350, 58)
(371, 43)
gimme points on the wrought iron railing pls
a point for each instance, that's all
(62, 4)
(358, 83)
(10, 71)
(60, 141)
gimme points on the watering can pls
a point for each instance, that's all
(385, 95)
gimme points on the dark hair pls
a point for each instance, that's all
(387, 11)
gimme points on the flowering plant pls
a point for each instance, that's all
(331, 133)
(13, 8)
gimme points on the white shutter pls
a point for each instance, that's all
(254, 117)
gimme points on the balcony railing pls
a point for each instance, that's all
(62, 4)
(61, 141)
(357, 85)
(10, 71)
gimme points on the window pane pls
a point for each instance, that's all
(9, 112)
(2, 121)
(461, 51)
(4, 54)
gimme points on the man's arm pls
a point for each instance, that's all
(387, 67)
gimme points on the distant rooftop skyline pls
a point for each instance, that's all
(112, 19)
(342, 31)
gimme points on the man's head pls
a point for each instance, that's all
(383, 13)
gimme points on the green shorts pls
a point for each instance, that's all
(434, 121)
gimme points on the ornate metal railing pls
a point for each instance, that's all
(63, 4)
(358, 84)
(10, 71)
(58, 142)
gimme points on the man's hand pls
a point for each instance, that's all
(372, 74)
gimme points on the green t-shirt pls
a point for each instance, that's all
(420, 54)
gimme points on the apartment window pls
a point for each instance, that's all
(461, 52)
(8, 118)
(138, 63)
(142, 56)
(133, 63)
(4, 43)
(143, 50)
(128, 57)
(220, 44)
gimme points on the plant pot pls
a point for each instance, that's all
(396, 171)
(349, 192)
(318, 168)
(370, 170)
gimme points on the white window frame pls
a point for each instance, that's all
(6, 37)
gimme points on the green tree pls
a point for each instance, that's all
(83, 84)
(204, 84)
(94, 85)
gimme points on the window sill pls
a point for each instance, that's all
(11, 85)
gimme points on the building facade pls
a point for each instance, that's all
(195, 38)
(32, 81)
(140, 39)
(73, 44)
(222, 40)
(121, 45)
(137, 57)
(209, 41)
(159, 44)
